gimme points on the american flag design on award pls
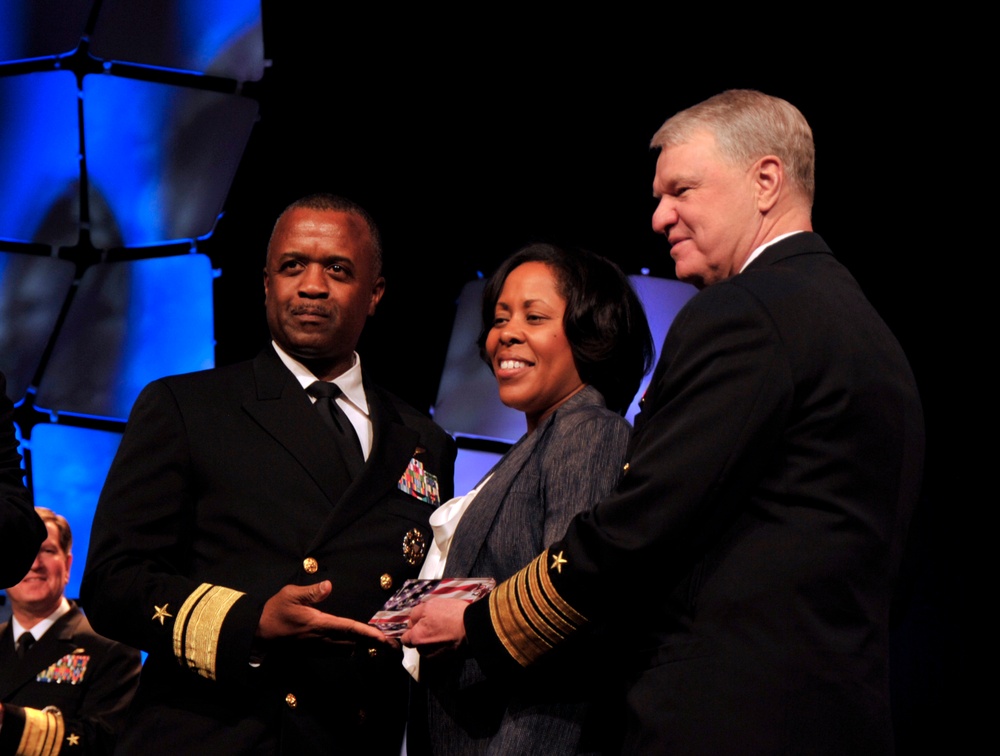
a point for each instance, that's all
(392, 618)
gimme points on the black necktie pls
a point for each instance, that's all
(326, 403)
(24, 643)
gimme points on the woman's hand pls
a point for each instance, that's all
(437, 626)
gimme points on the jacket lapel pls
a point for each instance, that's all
(283, 410)
(8, 660)
(805, 243)
(474, 527)
(394, 444)
(48, 649)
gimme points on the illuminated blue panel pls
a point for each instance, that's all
(218, 37)
(468, 403)
(32, 29)
(470, 467)
(39, 158)
(161, 158)
(662, 299)
(32, 292)
(68, 468)
(130, 323)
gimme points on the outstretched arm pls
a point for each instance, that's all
(291, 613)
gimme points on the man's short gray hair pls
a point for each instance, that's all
(748, 125)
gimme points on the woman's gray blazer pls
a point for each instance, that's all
(572, 460)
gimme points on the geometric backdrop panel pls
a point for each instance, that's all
(160, 158)
(130, 323)
(32, 292)
(217, 37)
(68, 467)
(34, 29)
(662, 299)
(39, 158)
(470, 467)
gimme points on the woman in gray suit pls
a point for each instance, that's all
(568, 342)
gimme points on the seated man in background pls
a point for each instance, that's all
(61, 684)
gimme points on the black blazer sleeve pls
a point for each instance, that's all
(21, 530)
(140, 553)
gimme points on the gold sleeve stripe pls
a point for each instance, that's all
(528, 614)
(198, 624)
(181, 620)
(203, 630)
(43, 732)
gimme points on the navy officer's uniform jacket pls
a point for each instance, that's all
(226, 487)
(68, 694)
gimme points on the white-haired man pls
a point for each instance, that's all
(752, 545)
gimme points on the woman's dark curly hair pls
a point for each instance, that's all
(605, 324)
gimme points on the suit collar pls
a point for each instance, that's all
(57, 642)
(586, 396)
(804, 243)
(282, 408)
(39, 629)
(270, 375)
(349, 382)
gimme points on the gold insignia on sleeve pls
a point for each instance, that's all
(528, 614)
(414, 546)
(558, 562)
(73, 739)
(43, 732)
(198, 625)
(161, 613)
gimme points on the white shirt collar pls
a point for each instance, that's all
(756, 253)
(40, 628)
(350, 381)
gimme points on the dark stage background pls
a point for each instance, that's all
(466, 146)
(467, 136)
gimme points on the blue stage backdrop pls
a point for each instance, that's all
(122, 125)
